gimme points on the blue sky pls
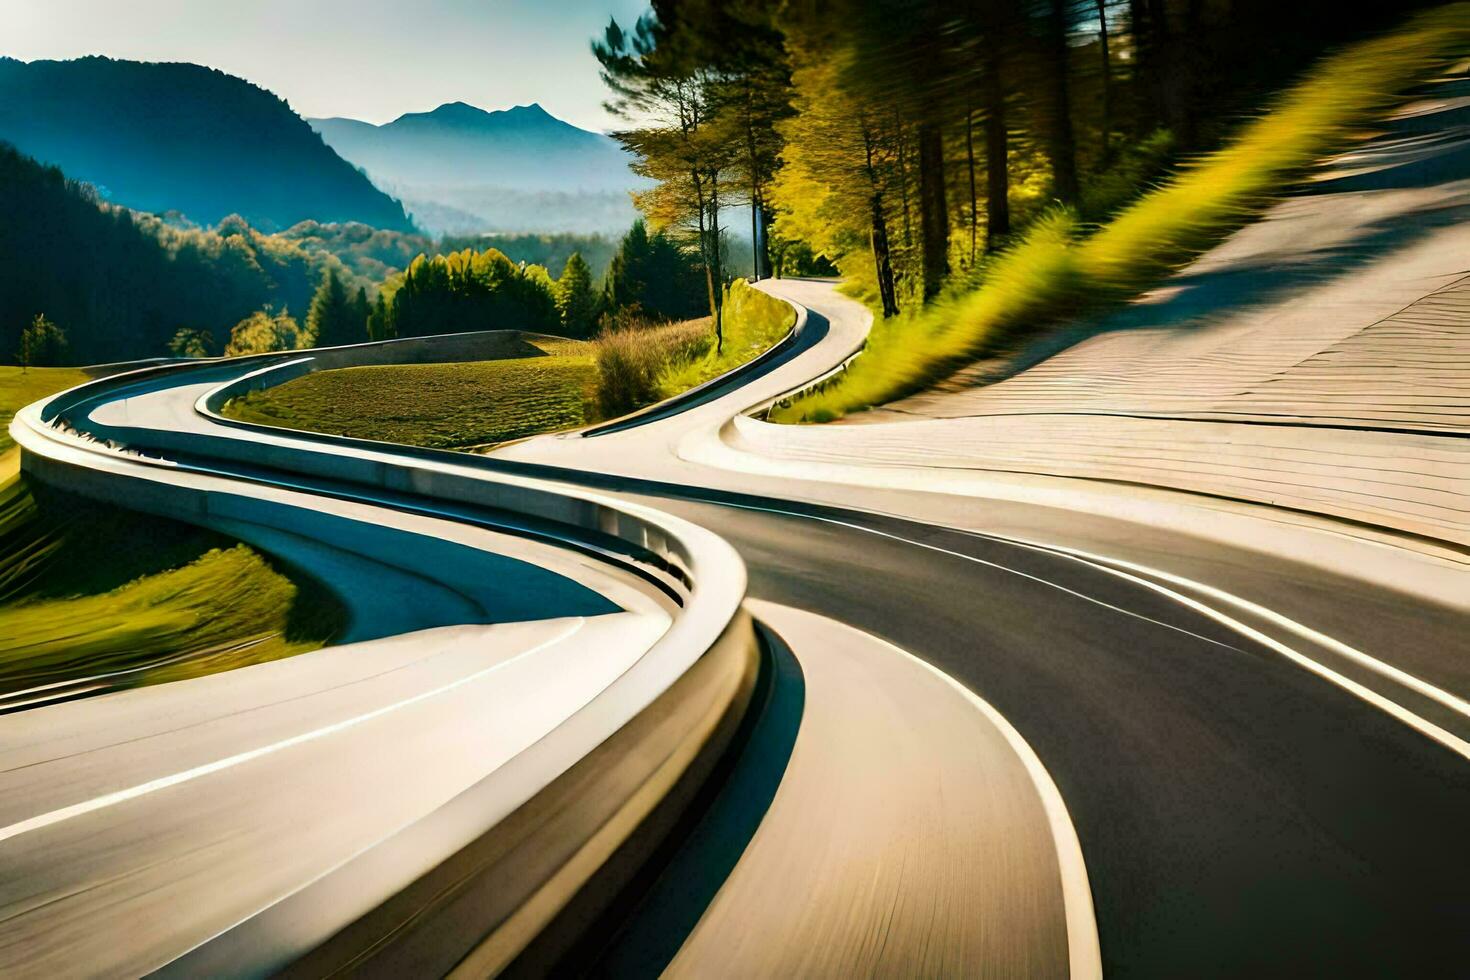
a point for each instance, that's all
(368, 59)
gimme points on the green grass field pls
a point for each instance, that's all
(18, 388)
(440, 406)
(1062, 268)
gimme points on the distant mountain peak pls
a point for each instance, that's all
(454, 109)
(464, 114)
(456, 145)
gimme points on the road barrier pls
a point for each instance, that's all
(513, 871)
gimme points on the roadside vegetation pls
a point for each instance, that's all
(147, 286)
(21, 386)
(977, 169)
(639, 365)
(87, 589)
(549, 384)
(1062, 266)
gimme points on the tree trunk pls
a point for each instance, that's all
(933, 209)
(755, 240)
(717, 275)
(1172, 73)
(883, 259)
(882, 253)
(1063, 145)
(766, 218)
(1148, 103)
(970, 166)
(710, 276)
(903, 182)
(997, 156)
(1106, 122)
(753, 164)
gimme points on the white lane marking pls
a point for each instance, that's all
(163, 782)
(1392, 708)
(1399, 676)
(1083, 951)
(989, 564)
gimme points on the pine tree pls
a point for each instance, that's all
(380, 320)
(627, 275)
(654, 276)
(43, 344)
(361, 310)
(575, 300)
(332, 320)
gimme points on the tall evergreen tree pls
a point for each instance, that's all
(684, 144)
(575, 300)
(43, 344)
(380, 320)
(333, 318)
(655, 275)
(361, 310)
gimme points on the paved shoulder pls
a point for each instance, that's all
(913, 833)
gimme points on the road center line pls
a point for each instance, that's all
(1107, 565)
(1399, 676)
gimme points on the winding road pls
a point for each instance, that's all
(1069, 731)
(1253, 795)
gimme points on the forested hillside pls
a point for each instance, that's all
(375, 254)
(121, 285)
(88, 282)
(180, 137)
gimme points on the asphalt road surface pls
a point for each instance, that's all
(1239, 816)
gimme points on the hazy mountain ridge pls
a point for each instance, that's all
(181, 137)
(458, 145)
(463, 169)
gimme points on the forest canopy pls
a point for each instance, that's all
(909, 141)
(121, 285)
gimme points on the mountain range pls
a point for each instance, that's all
(164, 137)
(458, 144)
(460, 168)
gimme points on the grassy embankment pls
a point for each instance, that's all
(87, 589)
(639, 367)
(1062, 268)
(548, 385)
(18, 388)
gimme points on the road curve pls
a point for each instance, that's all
(593, 663)
(1240, 806)
(1263, 756)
